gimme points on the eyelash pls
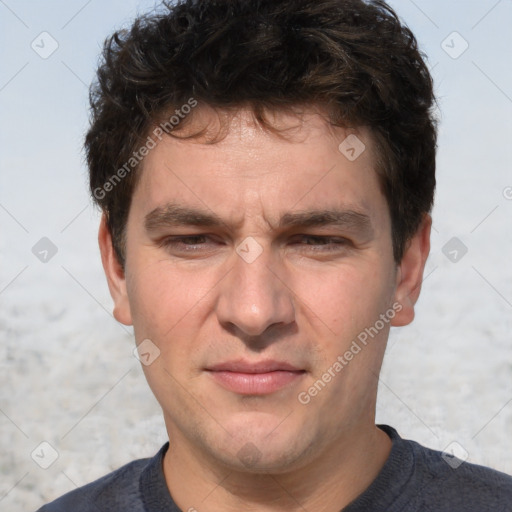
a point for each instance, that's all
(174, 241)
(329, 243)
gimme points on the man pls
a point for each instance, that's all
(266, 170)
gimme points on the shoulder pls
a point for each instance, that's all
(446, 480)
(118, 490)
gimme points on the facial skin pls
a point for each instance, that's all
(302, 301)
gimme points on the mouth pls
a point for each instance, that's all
(258, 378)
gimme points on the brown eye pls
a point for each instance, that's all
(321, 243)
(190, 243)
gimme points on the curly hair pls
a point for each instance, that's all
(354, 58)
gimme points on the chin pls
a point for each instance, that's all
(264, 446)
(257, 460)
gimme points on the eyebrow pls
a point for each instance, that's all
(175, 215)
(346, 219)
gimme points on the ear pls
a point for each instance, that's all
(115, 274)
(410, 273)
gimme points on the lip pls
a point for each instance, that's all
(255, 378)
(243, 366)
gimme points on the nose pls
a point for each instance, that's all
(255, 296)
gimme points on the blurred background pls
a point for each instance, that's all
(73, 401)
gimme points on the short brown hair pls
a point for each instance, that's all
(352, 57)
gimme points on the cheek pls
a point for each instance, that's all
(167, 302)
(345, 299)
(165, 307)
(153, 293)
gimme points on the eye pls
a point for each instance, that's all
(188, 243)
(321, 243)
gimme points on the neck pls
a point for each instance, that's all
(327, 482)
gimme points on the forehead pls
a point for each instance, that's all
(238, 167)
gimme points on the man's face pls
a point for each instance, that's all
(253, 264)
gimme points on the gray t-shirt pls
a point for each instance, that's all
(413, 479)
